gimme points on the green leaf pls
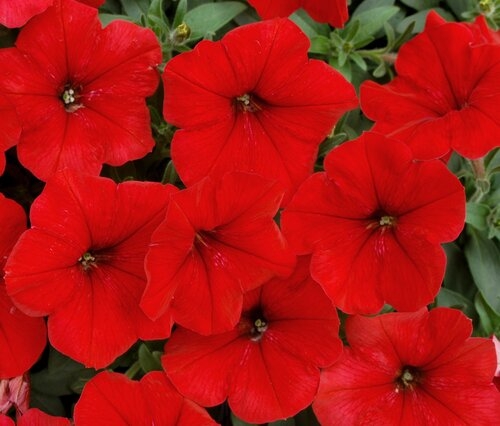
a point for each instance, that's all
(452, 299)
(149, 361)
(206, 19)
(371, 4)
(320, 45)
(493, 162)
(310, 27)
(477, 215)
(47, 403)
(421, 4)
(489, 320)
(373, 20)
(461, 6)
(107, 18)
(418, 19)
(483, 257)
(57, 378)
(135, 8)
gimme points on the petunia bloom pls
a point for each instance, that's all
(374, 222)
(439, 102)
(113, 399)
(82, 264)
(333, 12)
(79, 89)
(268, 365)
(252, 102)
(218, 240)
(22, 338)
(410, 369)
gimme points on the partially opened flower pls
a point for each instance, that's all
(22, 338)
(268, 365)
(333, 12)
(374, 222)
(79, 89)
(82, 263)
(217, 241)
(253, 102)
(410, 369)
(439, 102)
(113, 399)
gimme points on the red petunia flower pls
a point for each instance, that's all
(268, 365)
(113, 399)
(374, 222)
(217, 241)
(82, 263)
(79, 89)
(22, 338)
(333, 12)
(252, 102)
(439, 102)
(10, 128)
(419, 368)
(35, 417)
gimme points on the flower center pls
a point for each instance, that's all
(247, 103)
(387, 221)
(87, 261)
(408, 379)
(259, 327)
(69, 97)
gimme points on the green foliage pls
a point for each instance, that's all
(206, 19)
(483, 257)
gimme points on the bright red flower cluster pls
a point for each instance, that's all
(253, 290)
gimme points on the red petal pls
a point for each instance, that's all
(112, 399)
(189, 362)
(14, 17)
(35, 417)
(356, 392)
(270, 384)
(298, 311)
(167, 406)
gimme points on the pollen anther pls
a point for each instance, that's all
(387, 221)
(68, 96)
(87, 260)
